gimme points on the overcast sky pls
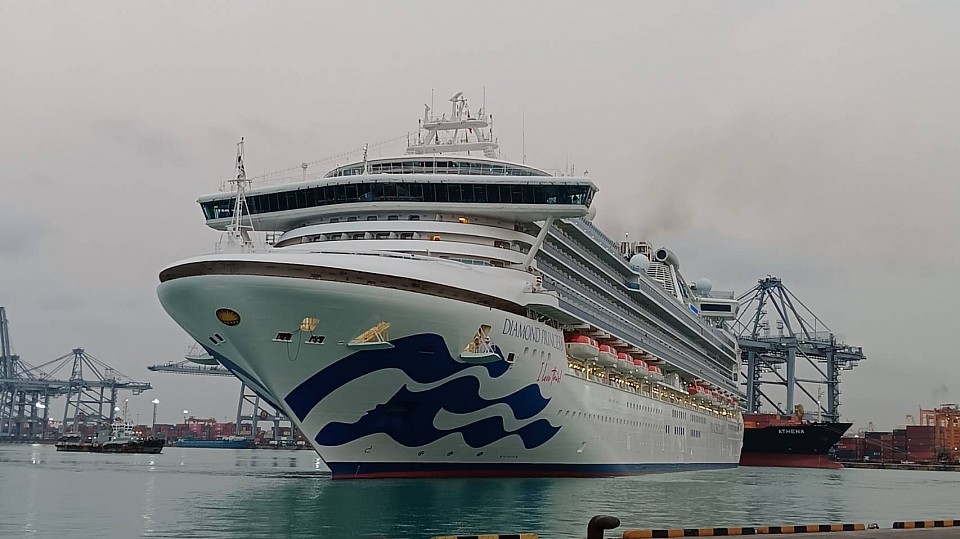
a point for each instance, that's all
(814, 141)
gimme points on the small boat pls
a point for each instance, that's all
(607, 357)
(655, 373)
(624, 363)
(119, 437)
(640, 366)
(582, 347)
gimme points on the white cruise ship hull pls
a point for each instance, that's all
(419, 406)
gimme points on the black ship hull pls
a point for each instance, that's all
(805, 445)
(145, 446)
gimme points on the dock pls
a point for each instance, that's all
(599, 525)
(902, 466)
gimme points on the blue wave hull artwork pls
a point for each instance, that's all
(408, 416)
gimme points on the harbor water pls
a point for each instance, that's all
(187, 492)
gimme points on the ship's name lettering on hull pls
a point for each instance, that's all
(791, 431)
(534, 334)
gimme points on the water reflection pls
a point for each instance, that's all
(149, 506)
(249, 493)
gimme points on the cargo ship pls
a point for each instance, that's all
(789, 441)
(226, 442)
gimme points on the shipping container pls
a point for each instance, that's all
(918, 456)
(847, 454)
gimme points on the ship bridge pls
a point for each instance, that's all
(495, 189)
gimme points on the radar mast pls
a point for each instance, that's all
(461, 132)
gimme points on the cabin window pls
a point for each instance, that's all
(393, 218)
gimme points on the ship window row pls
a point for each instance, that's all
(470, 193)
(573, 414)
(644, 408)
(436, 167)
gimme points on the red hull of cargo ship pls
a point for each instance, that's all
(788, 461)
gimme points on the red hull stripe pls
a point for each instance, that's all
(379, 470)
(786, 460)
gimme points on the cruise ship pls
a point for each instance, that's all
(446, 312)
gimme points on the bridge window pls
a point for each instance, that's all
(466, 193)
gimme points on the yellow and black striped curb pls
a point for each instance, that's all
(909, 524)
(490, 536)
(755, 530)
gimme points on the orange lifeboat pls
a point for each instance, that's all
(624, 363)
(582, 347)
(607, 356)
(693, 390)
(655, 373)
(640, 368)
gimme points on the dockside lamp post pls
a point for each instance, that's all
(41, 411)
(153, 427)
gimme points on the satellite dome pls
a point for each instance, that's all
(639, 262)
(704, 285)
(591, 213)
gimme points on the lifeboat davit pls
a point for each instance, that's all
(655, 373)
(624, 363)
(582, 347)
(606, 357)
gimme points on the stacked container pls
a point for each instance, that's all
(899, 445)
(920, 443)
(850, 449)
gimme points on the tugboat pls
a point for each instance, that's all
(119, 438)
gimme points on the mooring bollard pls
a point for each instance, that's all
(599, 523)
